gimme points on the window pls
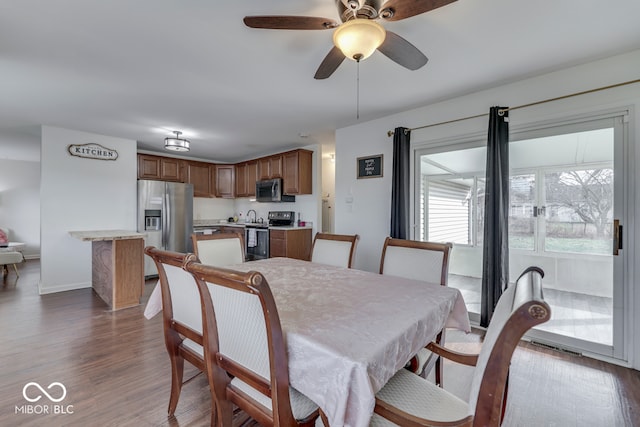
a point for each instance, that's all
(562, 183)
(555, 206)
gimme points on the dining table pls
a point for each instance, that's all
(349, 331)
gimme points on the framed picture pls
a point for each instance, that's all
(370, 166)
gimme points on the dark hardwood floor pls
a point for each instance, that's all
(116, 372)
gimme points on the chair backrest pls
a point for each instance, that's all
(334, 249)
(520, 307)
(411, 259)
(243, 341)
(219, 249)
(180, 297)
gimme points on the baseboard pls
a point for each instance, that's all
(62, 288)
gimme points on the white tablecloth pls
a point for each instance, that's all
(349, 331)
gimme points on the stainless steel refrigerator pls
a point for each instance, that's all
(165, 215)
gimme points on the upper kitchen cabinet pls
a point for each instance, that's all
(246, 177)
(225, 181)
(198, 174)
(213, 187)
(270, 167)
(297, 177)
(160, 168)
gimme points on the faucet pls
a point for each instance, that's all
(254, 215)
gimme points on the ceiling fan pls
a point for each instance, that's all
(359, 34)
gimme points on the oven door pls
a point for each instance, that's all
(257, 243)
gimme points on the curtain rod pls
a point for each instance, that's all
(502, 111)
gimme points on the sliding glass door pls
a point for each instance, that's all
(566, 204)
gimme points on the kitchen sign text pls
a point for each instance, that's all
(92, 151)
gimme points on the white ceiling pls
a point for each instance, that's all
(140, 69)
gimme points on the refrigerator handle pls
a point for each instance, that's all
(165, 219)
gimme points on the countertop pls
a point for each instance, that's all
(97, 235)
(216, 223)
(290, 227)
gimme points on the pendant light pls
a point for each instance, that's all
(175, 143)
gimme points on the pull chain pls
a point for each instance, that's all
(358, 90)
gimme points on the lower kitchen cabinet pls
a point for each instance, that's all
(290, 243)
(232, 229)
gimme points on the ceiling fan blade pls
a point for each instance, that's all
(329, 64)
(282, 22)
(402, 9)
(401, 51)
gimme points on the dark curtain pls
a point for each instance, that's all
(400, 184)
(495, 249)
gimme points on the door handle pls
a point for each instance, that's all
(617, 237)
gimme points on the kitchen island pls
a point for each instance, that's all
(117, 265)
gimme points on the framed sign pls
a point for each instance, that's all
(92, 151)
(370, 166)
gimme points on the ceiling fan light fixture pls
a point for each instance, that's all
(175, 143)
(359, 38)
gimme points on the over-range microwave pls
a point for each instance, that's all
(270, 190)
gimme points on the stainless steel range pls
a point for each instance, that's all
(281, 218)
(257, 234)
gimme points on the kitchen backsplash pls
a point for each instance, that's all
(205, 208)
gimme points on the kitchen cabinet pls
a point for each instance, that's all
(263, 168)
(270, 167)
(160, 168)
(246, 177)
(297, 177)
(198, 176)
(225, 181)
(231, 229)
(290, 243)
(230, 181)
(213, 188)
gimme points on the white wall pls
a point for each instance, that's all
(328, 192)
(81, 194)
(369, 213)
(20, 187)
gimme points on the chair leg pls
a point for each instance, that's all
(16, 269)
(177, 369)
(214, 414)
(439, 364)
(224, 410)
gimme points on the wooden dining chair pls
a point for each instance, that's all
(245, 350)
(424, 261)
(182, 318)
(410, 400)
(219, 249)
(334, 249)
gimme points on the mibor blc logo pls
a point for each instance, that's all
(54, 393)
